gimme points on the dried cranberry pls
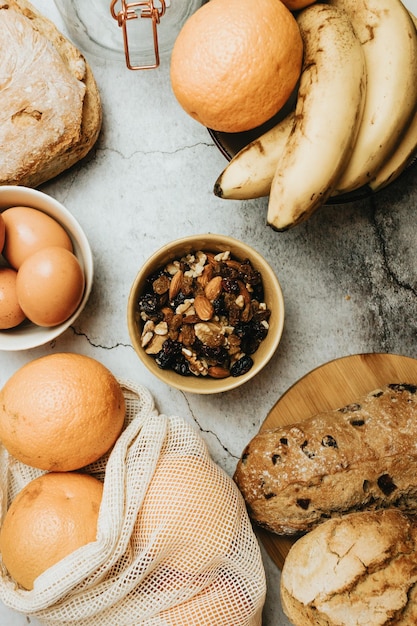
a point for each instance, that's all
(230, 286)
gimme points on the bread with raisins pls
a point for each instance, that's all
(355, 570)
(361, 456)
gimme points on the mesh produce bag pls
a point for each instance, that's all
(174, 546)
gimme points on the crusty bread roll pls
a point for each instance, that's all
(50, 106)
(358, 570)
(360, 456)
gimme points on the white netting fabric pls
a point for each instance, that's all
(175, 546)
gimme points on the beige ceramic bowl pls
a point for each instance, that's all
(28, 335)
(273, 298)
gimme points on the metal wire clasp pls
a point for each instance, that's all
(134, 10)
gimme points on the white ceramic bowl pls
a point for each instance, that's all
(28, 335)
(273, 298)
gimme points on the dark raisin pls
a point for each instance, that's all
(258, 292)
(309, 453)
(284, 441)
(231, 273)
(168, 354)
(219, 306)
(244, 457)
(386, 484)
(249, 345)
(242, 366)
(350, 408)
(241, 330)
(259, 330)
(270, 495)
(148, 304)
(329, 442)
(275, 458)
(218, 354)
(179, 299)
(251, 335)
(403, 387)
(357, 422)
(249, 274)
(377, 394)
(303, 503)
(181, 367)
(163, 360)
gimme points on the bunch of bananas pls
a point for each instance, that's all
(355, 117)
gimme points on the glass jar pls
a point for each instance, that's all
(140, 32)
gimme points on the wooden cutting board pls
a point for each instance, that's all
(332, 386)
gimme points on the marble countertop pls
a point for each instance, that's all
(349, 274)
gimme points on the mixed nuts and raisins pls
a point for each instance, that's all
(204, 315)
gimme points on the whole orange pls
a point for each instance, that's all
(61, 412)
(235, 63)
(296, 5)
(50, 518)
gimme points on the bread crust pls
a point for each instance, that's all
(353, 571)
(363, 456)
(51, 110)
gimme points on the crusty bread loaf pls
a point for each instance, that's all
(50, 114)
(360, 456)
(358, 570)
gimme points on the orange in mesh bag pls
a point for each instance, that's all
(174, 547)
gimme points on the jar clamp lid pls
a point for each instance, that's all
(135, 10)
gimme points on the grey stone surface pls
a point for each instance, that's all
(349, 274)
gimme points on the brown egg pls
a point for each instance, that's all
(28, 230)
(50, 285)
(11, 314)
(2, 232)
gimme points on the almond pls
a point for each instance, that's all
(216, 371)
(213, 288)
(205, 277)
(175, 286)
(234, 264)
(203, 307)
